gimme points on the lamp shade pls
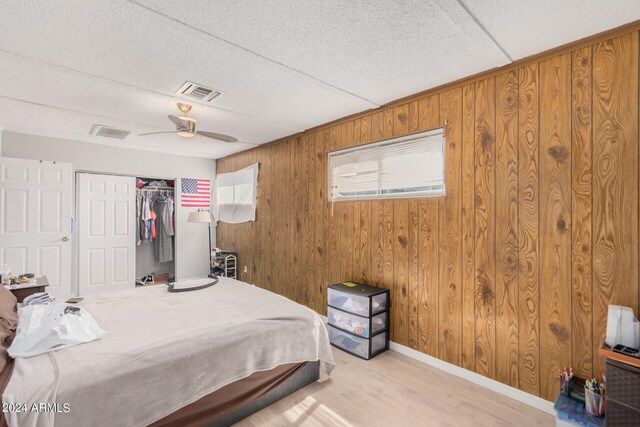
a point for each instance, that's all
(201, 216)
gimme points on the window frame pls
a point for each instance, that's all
(391, 141)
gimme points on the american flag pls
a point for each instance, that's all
(195, 193)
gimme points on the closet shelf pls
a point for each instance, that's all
(155, 188)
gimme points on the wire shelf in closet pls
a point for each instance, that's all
(156, 189)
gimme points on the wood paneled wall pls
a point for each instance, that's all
(511, 273)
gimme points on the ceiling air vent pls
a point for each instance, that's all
(107, 132)
(196, 91)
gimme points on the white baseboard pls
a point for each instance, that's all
(498, 387)
(481, 380)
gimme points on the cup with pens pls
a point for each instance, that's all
(565, 380)
(594, 397)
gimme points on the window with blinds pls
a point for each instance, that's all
(409, 166)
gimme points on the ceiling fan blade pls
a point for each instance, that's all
(178, 121)
(218, 136)
(157, 133)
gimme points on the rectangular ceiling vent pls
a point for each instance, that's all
(196, 91)
(108, 132)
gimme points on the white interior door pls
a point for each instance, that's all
(106, 232)
(35, 220)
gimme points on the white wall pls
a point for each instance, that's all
(146, 262)
(191, 239)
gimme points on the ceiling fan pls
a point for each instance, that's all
(186, 127)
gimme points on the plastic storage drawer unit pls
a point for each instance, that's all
(358, 299)
(362, 326)
(358, 346)
(358, 317)
(623, 394)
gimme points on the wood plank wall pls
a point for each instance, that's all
(511, 273)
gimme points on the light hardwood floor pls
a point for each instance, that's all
(395, 390)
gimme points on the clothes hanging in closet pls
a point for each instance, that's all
(163, 247)
(146, 218)
(138, 207)
(155, 222)
(143, 215)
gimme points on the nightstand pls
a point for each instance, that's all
(21, 292)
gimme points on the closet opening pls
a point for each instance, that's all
(155, 231)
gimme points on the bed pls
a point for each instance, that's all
(210, 357)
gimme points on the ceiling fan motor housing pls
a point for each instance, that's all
(189, 124)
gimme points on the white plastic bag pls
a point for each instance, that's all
(43, 328)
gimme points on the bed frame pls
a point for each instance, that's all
(309, 373)
(244, 397)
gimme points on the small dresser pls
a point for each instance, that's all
(23, 291)
(358, 318)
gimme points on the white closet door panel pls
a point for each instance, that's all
(50, 207)
(121, 219)
(49, 263)
(15, 215)
(106, 227)
(96, 219)
(50, 175)
(15, 257)
(97, 261)
(13, 173)
(121, 264)
(35, 220)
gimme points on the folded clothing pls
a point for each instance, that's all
(39, 298)
(157, 183)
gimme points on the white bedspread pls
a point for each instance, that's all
(163, 351)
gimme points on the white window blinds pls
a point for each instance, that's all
(411, 166)
(235, 195)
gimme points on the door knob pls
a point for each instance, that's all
(65, 239)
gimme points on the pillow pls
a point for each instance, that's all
(8, 322)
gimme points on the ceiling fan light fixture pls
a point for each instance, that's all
(190, 129)
(188, 119)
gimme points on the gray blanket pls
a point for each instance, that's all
(163, 351)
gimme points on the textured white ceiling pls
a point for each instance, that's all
(378, 50)
(525, 28)
(283, 65)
